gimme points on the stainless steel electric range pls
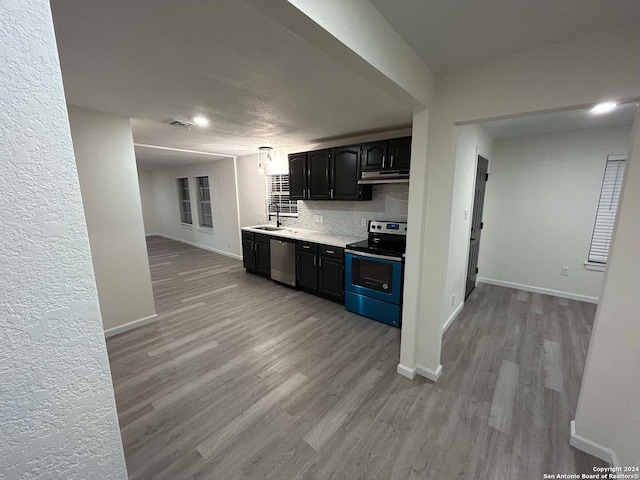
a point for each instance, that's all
(374, 270)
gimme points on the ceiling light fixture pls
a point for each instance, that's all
(201, 121)
(604, 107)
(264, 158)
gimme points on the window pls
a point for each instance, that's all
(185, 202)
(205, 217)
(607, 208)
(278, 193)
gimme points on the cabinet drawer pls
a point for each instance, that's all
(260, 238)
(248, 235)
(308, 247)
(332, 252)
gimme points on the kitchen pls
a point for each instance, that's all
(326, 377)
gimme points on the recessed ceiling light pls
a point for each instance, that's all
(604, 107)
(201, 121)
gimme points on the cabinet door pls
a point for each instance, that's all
(307, 271)
(248, 254)
(263, 258)
(298, 176)
(331, 275)
(400, 153)
(374, 156)
(318, 175)
(345, 163)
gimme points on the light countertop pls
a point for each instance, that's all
(308, 235)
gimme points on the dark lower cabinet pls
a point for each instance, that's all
(331, 278)
(307, 271)
(321, 270)
(256, 253)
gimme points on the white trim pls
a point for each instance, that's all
(596, 267)
(405, 371)
(235, 180)
(544, 291)
(198, 152)
(204, 247)
(452, 317)
(150, 234)
(207, 230)
(429, 374)
(186, 226)
(141, 322)
(592, 448)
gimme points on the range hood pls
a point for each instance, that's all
(384, 176)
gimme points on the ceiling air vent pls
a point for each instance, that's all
(180, 123)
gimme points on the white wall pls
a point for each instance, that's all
(225, 236)
(103, 146)
(540, 209)
(471, 141)
(145, 182)
(57, 410)
(608, 412)
(252, 191)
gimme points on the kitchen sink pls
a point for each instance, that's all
(267, 228)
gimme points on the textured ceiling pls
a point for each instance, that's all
(559, 122)
(457, 33)
(154, 60)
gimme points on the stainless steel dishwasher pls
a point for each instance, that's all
(283, 261)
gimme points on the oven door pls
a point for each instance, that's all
(373, 276)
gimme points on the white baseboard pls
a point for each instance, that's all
(544, 291)
(405, 371)
(204, 247)
(452, 317)
(592, 448)
(429, 374)
(110, 332)
(151, 234)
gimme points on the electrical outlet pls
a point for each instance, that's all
(321, 218)
(453, 300)
(316, 218)
(363, 222)
(564, 271)
(466, 214)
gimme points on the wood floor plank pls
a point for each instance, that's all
(553, 366)
(503, 396)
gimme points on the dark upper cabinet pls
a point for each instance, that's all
(298, 176)
(345, 163)
(400, 153)
(318, 175)
(374, 156)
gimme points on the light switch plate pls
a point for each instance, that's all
(363, 222)
(466, 214)
(564, 271)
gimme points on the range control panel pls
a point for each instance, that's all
(392, 228)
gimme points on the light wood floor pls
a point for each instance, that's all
(242, 378)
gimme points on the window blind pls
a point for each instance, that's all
(205, 216)
(185, 201)
(278, 193)
(607, 208)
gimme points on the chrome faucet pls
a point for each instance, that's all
(278, 222)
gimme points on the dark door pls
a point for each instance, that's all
(248, 254)
(476, 223)
(374, 155)
(331, 277)
(298, 176)
(308, 270)
(400, 153)
(318, 175)
(263, 254)
(344, 173)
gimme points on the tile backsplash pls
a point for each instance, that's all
(390, 202)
